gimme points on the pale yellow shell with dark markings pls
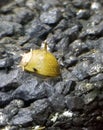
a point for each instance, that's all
(41, 62)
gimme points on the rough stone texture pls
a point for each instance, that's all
(51, 17)
(30, 91)
(22, 118)
(40, 111)
(37, 29)
(74, 103)
(7, 78)
(9, 28)
(6, 62)
(74, 33)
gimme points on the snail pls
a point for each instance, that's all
(40, 61)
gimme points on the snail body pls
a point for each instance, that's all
(41, 62)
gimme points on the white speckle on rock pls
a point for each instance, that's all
(1, 117)
(54, 118)
(95, 5)
(67, 114)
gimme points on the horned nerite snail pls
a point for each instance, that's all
(40, 61)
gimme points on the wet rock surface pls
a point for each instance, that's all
(74, 32)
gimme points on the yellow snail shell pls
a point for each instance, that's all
(41, 62)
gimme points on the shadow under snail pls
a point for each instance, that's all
(41, 62)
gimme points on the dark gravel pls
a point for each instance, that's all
(74, 32)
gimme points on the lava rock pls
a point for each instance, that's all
(77, 121)
(70, 60)
(81, 4)
(62, 25)
(90, 97)
(57, 102)
(95, 68)
(20, 2)
(74, 103)
(30, 90)
(23, 15)
(96, 45)
(69, 87)
(3, 119)
(6, 63)
(83, 14)
(49, 87)
(90, 107)
(80, 70)
(98, 77)
(77, 47)
(59, 87)
(65, 88)
(98, 85)
(73, 32)
(22, 118)
(51, 17)
(40, 110)
(67, 75)
(9, 28)
(37, 29)
(12, 108)
(5, 98)
(6, 79)
(8, 7)
(83, 87)
(96, 18)
(63, 44)
(96, 30)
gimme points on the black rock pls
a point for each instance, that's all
(40, 110)
(62, 25)
(74, 103)
(83, 87)
(90, 97)
(12, 108)
(83, 14)
(5, 98)
(77, 121)
(98, 77)
(30, 90)
(6, 79)
(3, 119)
(57, 102)
(48, 85)
(67, 75)
(8, 28)
(96, 18)
(81, 4)
(23, 15)
(77, 47)
(37, 29)
(65, 88)
(91, 107)
(63, 44)
(8, 6)
(70, 60)
(96, 44)
(80, 70)
(73, 32)
(51, 17)
(96, 30)
(6, 63)
(95, 68)
(23, 117)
